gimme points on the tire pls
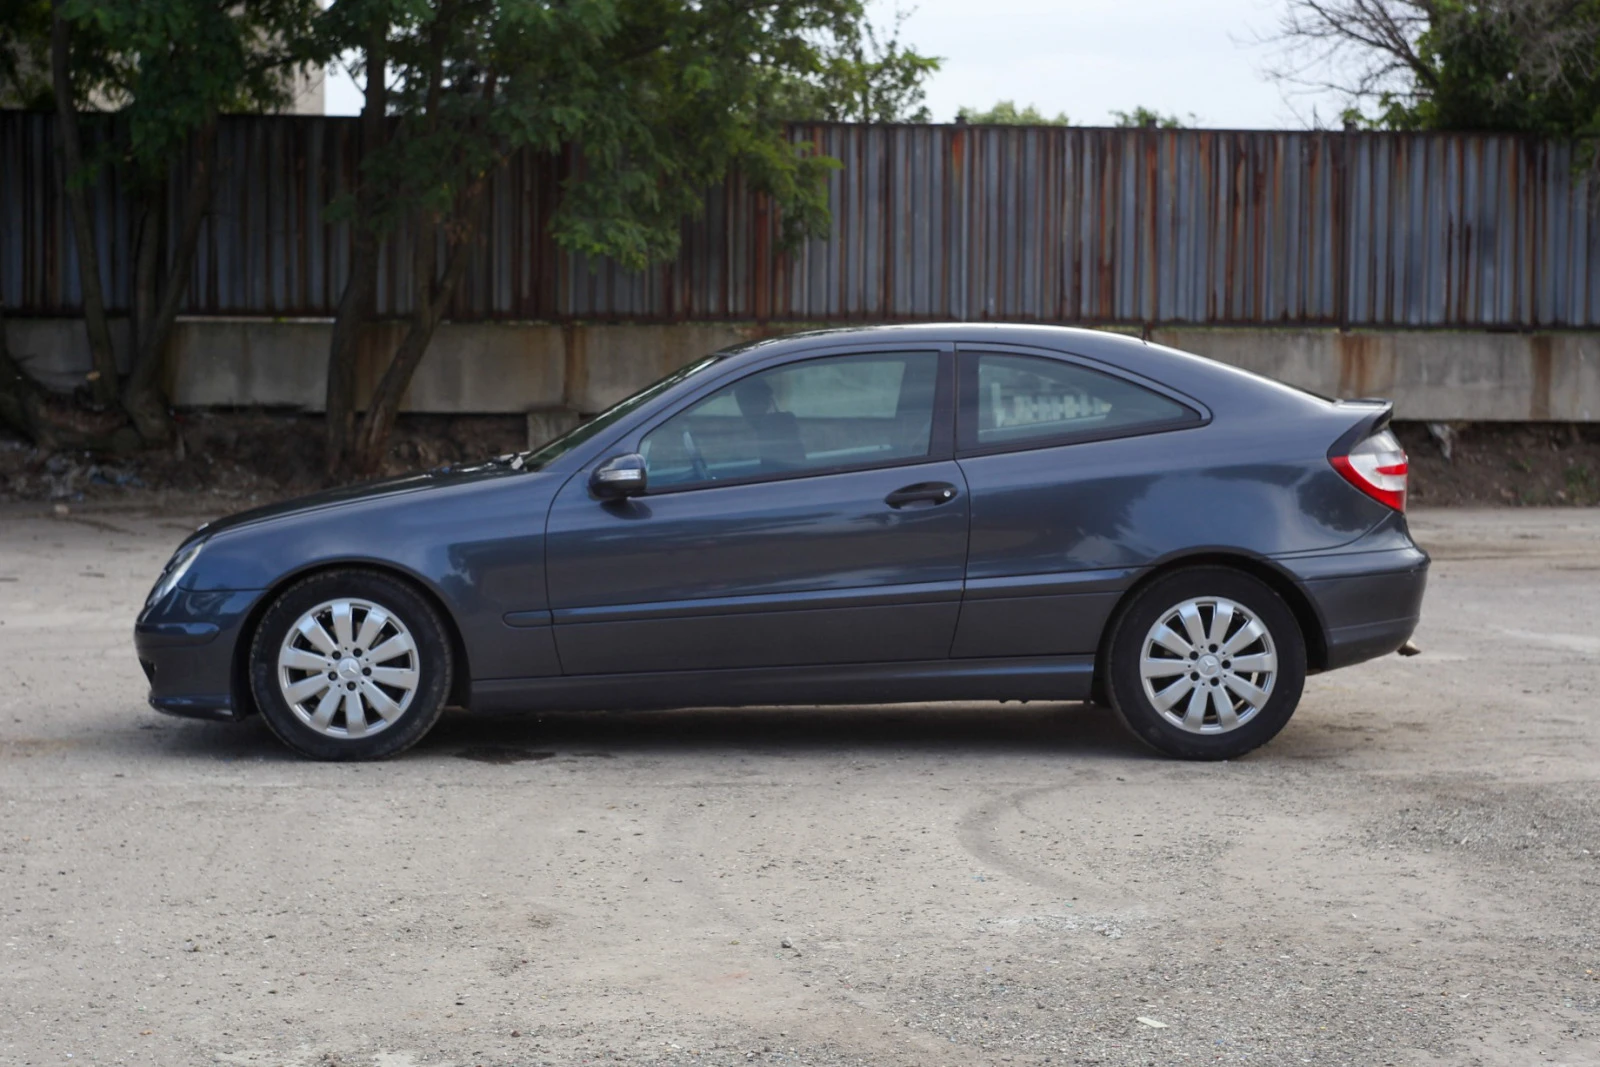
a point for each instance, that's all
(1157, 628)
(382, 687)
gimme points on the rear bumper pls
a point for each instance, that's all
(1369, 603)
(186, 644)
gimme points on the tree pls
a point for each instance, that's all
(29, 47)
(137, 86)
(1528, 66)
(1144, 116)
(650, 102)
(863, 75)
(91, 55)
(175, 66)
(1005, 113)
(25, 54)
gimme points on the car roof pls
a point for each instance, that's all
(949, 332)
(1207, 379)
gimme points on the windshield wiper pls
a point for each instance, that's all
(517, 461)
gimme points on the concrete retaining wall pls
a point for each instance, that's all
(522, 367)
(1447, 376)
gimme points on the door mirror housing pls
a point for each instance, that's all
(619, 477)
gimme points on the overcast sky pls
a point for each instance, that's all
(1087, 58)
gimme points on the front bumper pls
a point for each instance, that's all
(188, 645)
(1369, 603)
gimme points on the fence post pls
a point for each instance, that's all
(1341, 219)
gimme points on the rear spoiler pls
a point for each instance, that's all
(1372, 416)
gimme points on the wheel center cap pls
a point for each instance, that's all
(1209, 666)
(349, 669)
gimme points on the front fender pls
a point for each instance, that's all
(477, 547)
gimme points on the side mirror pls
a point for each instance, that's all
(618, 477)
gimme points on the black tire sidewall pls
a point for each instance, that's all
(435, 663)
(1126, 688)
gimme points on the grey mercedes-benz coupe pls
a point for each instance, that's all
(892, 514)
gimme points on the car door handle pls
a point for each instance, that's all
(922, 493)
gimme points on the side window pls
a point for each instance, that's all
(1030, 399)
(822, 414)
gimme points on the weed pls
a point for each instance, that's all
(1582, 485)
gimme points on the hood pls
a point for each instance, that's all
(418, 482)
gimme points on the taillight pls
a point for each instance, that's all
(1377, 467)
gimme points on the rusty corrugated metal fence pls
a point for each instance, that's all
(1070, 225)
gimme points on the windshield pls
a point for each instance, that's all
(576, 436)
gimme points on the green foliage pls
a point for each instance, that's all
(1144, 116)
(863, 75)
(1514, 66)
(1005, 113)
(648, 103)
(25, 54)
(1480, 69)
(1583, 487)
(661, 99)
(171, 66)
(25, 59)
(679, 100)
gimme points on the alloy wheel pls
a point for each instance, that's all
(348, 668)
(1208, 665)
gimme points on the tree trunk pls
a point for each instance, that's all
(431, 297)
(431, 301)
(53, 422)
(360, 288)
(144, 397)
(103, 378)
(17, 392)
(147, 265)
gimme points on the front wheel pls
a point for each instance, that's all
(350, 665)
(1206, 663)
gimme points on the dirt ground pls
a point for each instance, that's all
(245, 457)
(1406, 876)
(239, 458)
(1519, 464)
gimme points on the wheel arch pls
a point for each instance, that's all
(1274, 577)
(239, 674)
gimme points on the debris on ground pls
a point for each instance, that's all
(1521, 464)
(248, 456)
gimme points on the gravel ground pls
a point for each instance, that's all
(1406, 876)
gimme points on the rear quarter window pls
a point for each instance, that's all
(1024, 401)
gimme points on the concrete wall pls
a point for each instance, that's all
(1478, 377)
(521, 367)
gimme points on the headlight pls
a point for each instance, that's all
(176, 568)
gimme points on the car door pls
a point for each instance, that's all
(805, 513)
(1058, 454)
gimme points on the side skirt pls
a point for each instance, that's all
(1012, 678)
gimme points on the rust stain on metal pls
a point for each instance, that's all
(1093, 226)
(1540, 356)
(1356, 364)
(576, 371)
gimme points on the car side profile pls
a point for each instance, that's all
(888, 514)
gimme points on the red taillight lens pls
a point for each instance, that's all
(1377, 467)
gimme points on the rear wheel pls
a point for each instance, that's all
(1206, 663)
(350, 665)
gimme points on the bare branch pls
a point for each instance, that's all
(1504, 52)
